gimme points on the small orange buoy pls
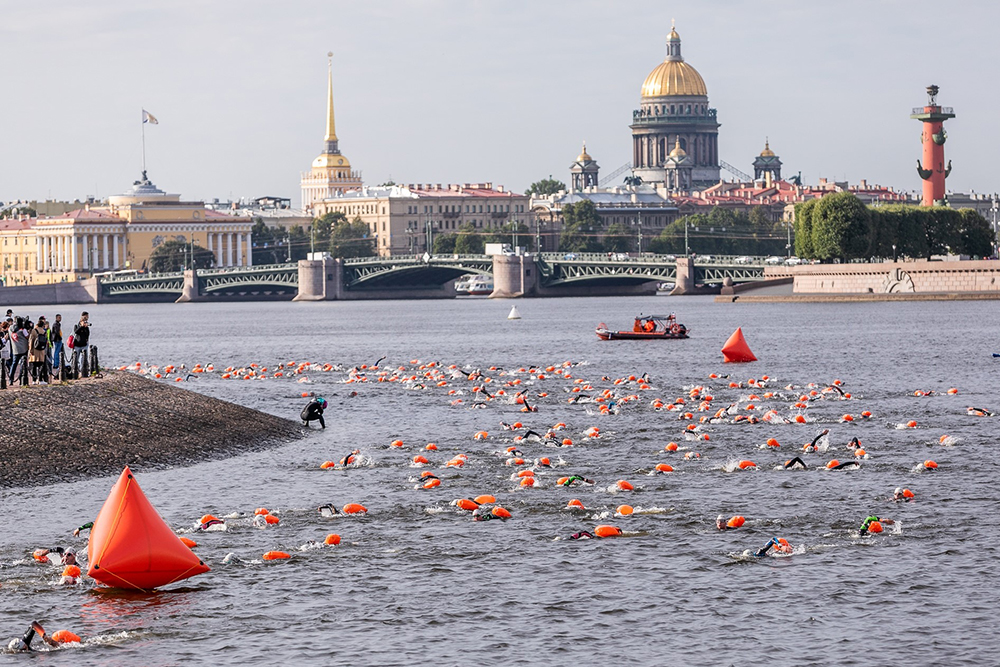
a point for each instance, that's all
(832, 463)
(188, 542)
(575, 502)
(271, 519)
(746, 465)
(664, 467)
(623, 485)
(276, 555)
(332, 538)
(930, 465)
(327, 464)
(625, 510)
(607, 531)
(875, 527)
(420, 459)
(527, 481)
(911, 424)
(354, 508)
(261, 510)
(485, 499)
(71, 571)
(431, 483)
(907, 493)
(736, 521)
(771, 442)
(671, 447)
(465, 504)
(431, 447)
(500, 513)
(65, 637)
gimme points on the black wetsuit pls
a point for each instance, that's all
(846, 464)
(794, 462)
(582, 535)
(313, 412)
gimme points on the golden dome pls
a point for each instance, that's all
(678, 151)
(673, 77)
(331, 161)
(584, 156)
(767, 152)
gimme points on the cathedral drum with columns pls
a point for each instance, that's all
(675, 121)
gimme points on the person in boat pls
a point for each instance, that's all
(637, 327)
(650, 326)
(870, 520)
(23, 643)
(314, 412)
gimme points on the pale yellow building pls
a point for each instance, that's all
(404, 219)
(119, 235)
(331, 172)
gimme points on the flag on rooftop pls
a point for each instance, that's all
(149, 118)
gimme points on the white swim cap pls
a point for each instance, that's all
(898, 491)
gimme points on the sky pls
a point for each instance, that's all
(456, 91)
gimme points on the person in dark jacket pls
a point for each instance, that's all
(81, 339)
(56, 338)
(38, 347)
(19, 340)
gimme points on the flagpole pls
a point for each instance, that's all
(142, 123)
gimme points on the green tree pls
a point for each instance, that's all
(976, 237)
(803, 229)
(511, 230)
(469, 241)
(581, 228)
(444, 244)
(350, 239)
(268, 243)
(840, 224)
(942, 229)
(19, 210)
(546, 186)
(617, 238)
(175, 255)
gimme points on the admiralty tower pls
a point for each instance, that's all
(674, 110)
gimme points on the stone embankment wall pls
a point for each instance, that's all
(95, 426)
(916, 277)
(80, 291)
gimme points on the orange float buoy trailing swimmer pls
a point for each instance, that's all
(625, 510)
(131, 546)
(332, 538)
(354, 508)
(276, 555)
(736, 349)
(607, 531)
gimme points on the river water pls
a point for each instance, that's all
(417, 581)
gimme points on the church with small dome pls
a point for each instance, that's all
(675, 134)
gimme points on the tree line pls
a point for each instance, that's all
(839, 226)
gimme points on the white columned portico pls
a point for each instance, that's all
(249, 249)
(105, 238)
(208, 242)
(39, 251)
(114, 247)
(61, 253)
(86, 252)
(218, 249)
(229, 249)
(72, 253)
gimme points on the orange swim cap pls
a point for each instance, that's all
(332, 538)
(575, 502)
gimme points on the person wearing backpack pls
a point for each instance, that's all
(19, 343)
(38, 348)
(81, 340)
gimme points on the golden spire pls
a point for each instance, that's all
(767, 152)
(678, 152)
(331, 126)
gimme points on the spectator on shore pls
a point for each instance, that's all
(5, 348)
(38, 348)
(19, 340)
(56, 338)
(81, 340)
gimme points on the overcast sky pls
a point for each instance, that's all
(439, 91)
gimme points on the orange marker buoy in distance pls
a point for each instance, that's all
(332, 538)
(736, 349)
(607, 531)
(276, 555)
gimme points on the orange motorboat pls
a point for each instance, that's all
(646, 327)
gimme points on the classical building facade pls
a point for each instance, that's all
(331, 172)
(403, 219)
(118, 235)
(583, 173)
(674, 111)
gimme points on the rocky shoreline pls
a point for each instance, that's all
(92, 427)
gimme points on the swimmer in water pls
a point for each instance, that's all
(900, 494)
(775, 543)
(582, 535)
(870, 520)
(23, 644)
(792, 464)
(854, 443)
(349, 459)
(573, 479)
(314, 412)
(55, 555)
(211, 522)
(328, 510)
(720, 523)
(845, 465)
(86, 526)
(811, 447)
(979, 412)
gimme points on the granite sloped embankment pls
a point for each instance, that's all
(94, 426)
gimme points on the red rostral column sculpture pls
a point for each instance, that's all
(932, 169)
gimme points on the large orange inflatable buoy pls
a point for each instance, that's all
(736, 349)
(131, 546)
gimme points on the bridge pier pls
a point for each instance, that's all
(514, 276)
(684, 283)
(320, 280)
(192, 288)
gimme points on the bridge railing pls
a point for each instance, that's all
(650, 258)
(413, 258)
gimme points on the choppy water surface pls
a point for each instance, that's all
(417, 581)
